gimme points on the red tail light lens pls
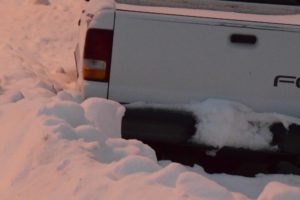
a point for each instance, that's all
(97, 55)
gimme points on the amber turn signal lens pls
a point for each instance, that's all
(94, 74)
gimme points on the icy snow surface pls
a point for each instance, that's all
(55, 145)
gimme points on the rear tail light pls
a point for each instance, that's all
(97, 55)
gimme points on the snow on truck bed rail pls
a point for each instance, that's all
(56, 145)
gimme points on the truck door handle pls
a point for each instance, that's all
(243, 39)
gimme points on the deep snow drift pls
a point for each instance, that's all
(55, 145)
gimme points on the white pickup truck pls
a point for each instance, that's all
(175, 51)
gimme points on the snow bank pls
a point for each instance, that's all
(55, 150)
(279, 191)
(42, 2)
(227, 123)
(54, 142)
(67, 111)
(105, 115)
(96, 5)
(190, 184)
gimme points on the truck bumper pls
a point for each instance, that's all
(169, 133)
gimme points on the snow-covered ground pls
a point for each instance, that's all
(55, 145)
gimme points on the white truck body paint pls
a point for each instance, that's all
(174, 55)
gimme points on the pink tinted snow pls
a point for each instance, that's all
(53, 146)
